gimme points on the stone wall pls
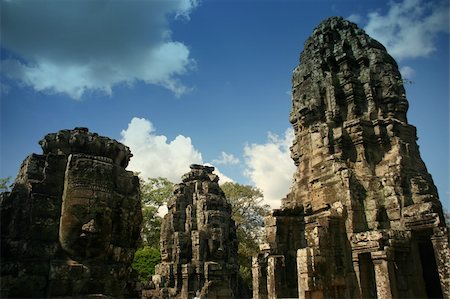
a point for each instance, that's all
(71, 224)
(363, 205)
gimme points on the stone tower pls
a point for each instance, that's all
(71, 224)
(198, 241)
(363, 218)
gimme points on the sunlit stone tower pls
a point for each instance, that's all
(198, 241)
(363, 218)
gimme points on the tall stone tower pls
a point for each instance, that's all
(363, 218)
(71, 224)
(198, 241)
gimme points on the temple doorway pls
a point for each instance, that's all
(429, 268)
(367, 276)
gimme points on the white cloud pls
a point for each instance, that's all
(409, 28)
(222, 178)
(270, 167)
(355, 18)
(407, 72)
(155, 156)
(226, 159)
(73, 47)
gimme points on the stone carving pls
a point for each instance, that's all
(71, 224)
(198, 241)
(363, 204)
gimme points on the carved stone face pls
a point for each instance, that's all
(166, 251)
(86, 217)
(166, 238)
(307, 103)
(217, 226)
(216, 244)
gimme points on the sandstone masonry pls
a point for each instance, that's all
(71, 224)
(198, 241)
(363, 218)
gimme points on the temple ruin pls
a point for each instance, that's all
(198, 241)
(71, 224)
(363, 218)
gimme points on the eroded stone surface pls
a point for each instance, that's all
(71, 224)
(363, 203)
(198, 241)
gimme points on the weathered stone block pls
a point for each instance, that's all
(66, 212)
(198, 241)
(365, 194)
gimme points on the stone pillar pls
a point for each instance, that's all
(304, 272)
(275, 265)
(442, 256)
(185, 279)
(259, 275)
(355, 261)
(385, 281)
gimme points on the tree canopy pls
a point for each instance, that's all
(154, 194)
(145, 260)
(248, 211)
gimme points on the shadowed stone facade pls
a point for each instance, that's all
(363, 218)
(198, 241)
(71, 224)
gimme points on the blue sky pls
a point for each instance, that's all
(188, 81)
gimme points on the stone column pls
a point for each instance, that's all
(384, 278)
(355, 260)
(259, 275)
(185, 284)
(303, 271)
(275, 265)
(442, 255)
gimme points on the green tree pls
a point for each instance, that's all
(154, 193)
(145, 260)
(248, 211)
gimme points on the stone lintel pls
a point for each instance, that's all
(424, 221)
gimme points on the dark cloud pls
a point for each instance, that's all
(72, 46)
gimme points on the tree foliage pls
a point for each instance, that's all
(248, 211)
(154, 194)
(145, 260)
